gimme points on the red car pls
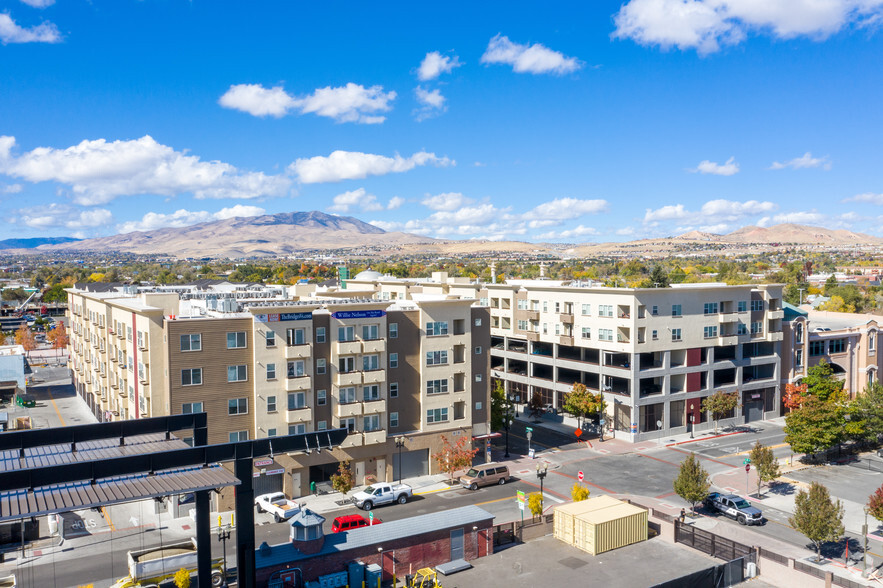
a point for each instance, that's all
(349, 522)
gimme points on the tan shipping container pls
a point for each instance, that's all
(600, 524)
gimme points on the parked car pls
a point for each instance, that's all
(353, 521)
(277, 504)
(734, 507)
(383, 493)
(485, 475)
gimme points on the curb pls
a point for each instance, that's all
(705, 438)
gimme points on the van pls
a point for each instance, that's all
(485, 475)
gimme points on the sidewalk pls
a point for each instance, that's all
(323, 503)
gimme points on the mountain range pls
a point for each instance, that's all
(293, 233)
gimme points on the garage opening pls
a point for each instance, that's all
(413, 464)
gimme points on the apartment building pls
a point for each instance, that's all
(847, 341)
(654, 353)
(267, 361)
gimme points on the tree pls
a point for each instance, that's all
(58, 337)
(536, 404)
(454, 456)
(14, 294)
(795, 394)
(579, 492)
(658, 277)
(720, 405)
(182, 578)
(343, 481)
(875, 504)
(578, 402)
(692, 483)
(535, 504)
(868, 407)
(500, 405)
(821, 383)
(817, 517)
(765, 464)
(25, 337)
(830, 284)
(814, 427)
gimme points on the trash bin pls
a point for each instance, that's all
(312, 487)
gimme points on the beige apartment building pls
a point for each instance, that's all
(654, 353)
(267, 361)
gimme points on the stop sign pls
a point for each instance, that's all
(580, 476)
(747, 467)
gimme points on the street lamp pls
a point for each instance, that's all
(400, 442)
(691, 420)
(223, 535)
(542, 469)
(865, 543)
(507, 421)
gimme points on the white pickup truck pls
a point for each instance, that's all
(734, 507)
(382, 493)
(277, 505)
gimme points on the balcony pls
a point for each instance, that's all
(374, 406)
(347, 378)
(297, 351)
(352, 440)
(776, 314)
(298, 415)
(297, 384)
(348, 347)
(728, 317)
(532, 315)
(565, 340)
(775, 336)
(532, 336)
(374, 437)
(374, 346)
(374, 376)
(566, 318)
(349, 409)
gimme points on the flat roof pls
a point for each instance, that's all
(839, 320)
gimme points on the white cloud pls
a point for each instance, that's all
(432, 103)
(38, 3)
(99, 171)
(395, 202)
(12, 33)
(626, 231)
(533, 59)
(446, 201)
(805, 161)
(435, 64)
(705, 25)
(350, 103)
(580, 231)
(868, 197)
(713, 212)
(11, 189)
(728, 168)
(561, 209)
(184, 218)
(61, 215)
(801, 218)
(355, 165)
(358, 198)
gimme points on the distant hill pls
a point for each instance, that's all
(34, 242)
(786, 233)
(259, 236)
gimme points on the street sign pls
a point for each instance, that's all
(580, 476)
(528, 429)
(371, 516)
(529, 435)
(531, 453)
(747, 467)
(602, 422)
(578, 432)
(521, 499)
(746, 461)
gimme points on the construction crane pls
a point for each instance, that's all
(20, 310)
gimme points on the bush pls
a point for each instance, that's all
(535, 504)
(182, 578)
(579, 492)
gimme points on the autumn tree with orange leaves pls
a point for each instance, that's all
(795, 395)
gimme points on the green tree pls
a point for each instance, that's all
(814, 427)
(837, 304)
(830, 284)
(14, 294)
(578, 402)
(817, 517)
(55, 293)
(821, 383)
(500, 405)
(692, 483)
(535, 504)
(875, 504)
(868, 407)
(677, 275)
(579, 492)
(343, 481)
(720, 405)
(765, 464)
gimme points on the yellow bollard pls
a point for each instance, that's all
(378, 580)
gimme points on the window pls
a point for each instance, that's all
(756, 305)
(478, 406)
(654, 334)
(236, 340)
(436, 357)
(297, 368)
(295, 337)
(346, 334)
(191, 342)
(478, 350)
(557, 328)
(393, 420)
(393, 389)
(741, 329)
(798, 333)
(557, 307)
(320, 334)
(128, 333)
(675, 334)
(587, 333)
(270, 337)
(237, 373)
(347, 395)
(756, 328)
(271, 432)
(816, 348)
(436, 415)
(393, 330)
(271, 404)
(142, 340)
(370, 332)
(654, 310)
(742, 306)
(436, 328)
(271, 371)
(545, 306)
(393, 360)
(478, 321)
(346, 365)
(320, 366)
(605, 334)
(237, 436)
(321, 397)
(523, 325)
(872, 342)
(371, 422)
(437, 386)
(605, 310)
(321, 425)
(478, 377)
(191, 377)
(297, 400)
(676, 310)
(710, 332)
(871, 375)
(297, 429)
(837, 346)
(370, 393)
(191, 407)
(349, 424)
(370, 362)
(587, 310)
(798, 358)
(237, 406)
(710, 308)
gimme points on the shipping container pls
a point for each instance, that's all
(600, 524)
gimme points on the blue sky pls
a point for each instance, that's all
(589, 122)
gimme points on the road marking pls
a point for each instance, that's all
(492, 501)
(546, 490)
(584, 482)
(749, 451)
(107, 518)
(700, 456)
(55, 406)
(661, 460)
(666, 495)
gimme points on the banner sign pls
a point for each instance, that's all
(358, 314)
(285, 316)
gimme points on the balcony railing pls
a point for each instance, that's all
(348, 378)
(297, 384)
(375, 406)
(298, 415)
(349, 409)
(348, 347)
(297, 351)
(374, 346)
(373, 437)
(374, 376)
(353, 440)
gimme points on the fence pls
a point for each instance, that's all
(506, 533)
(810, 570)
(773, 556)
(711, 544)
(720, 576)
(873, 465)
